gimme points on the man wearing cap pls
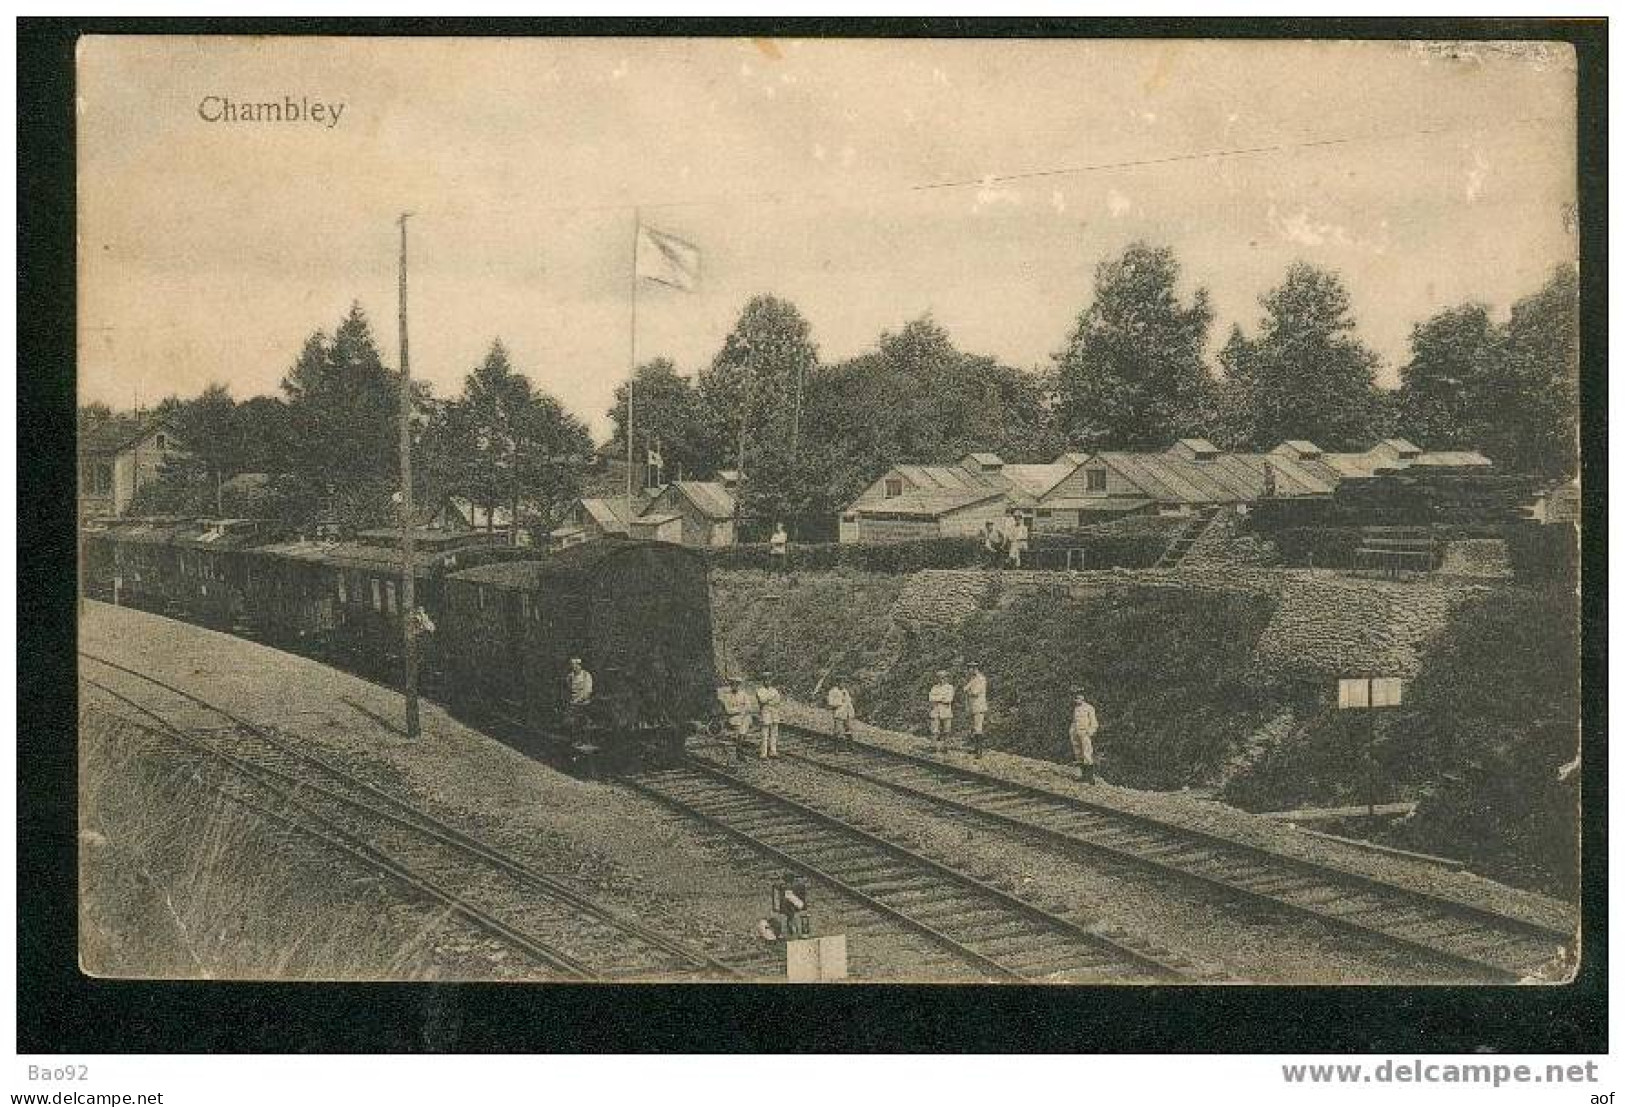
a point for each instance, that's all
(976, 702)
(736, 704)
(841, 710)
(580, 681)
(767, 697)
(941, 699)
(1082, 736)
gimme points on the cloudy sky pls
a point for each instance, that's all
(868, 182)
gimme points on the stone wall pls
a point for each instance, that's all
(1328, 626)
(1483, 558)
(938, 598)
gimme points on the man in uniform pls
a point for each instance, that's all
(768, 697)
(1082, 736)
(841, 710)
(736, 704)
(778, 548)
(976, 701)
(941, 699)
(578, 694)
(994, 542)
(1019, 535)
(580, 681)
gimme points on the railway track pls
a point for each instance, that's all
(999, 935)
(551, 922)
(1467, 939)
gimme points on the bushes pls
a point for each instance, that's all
(1316, 547)
(1169, 670)
(1544, 554)
(1099, 551)
(880, 557)
(1492, 715)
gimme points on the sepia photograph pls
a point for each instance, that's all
(811, 510)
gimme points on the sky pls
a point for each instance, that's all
(869, 182)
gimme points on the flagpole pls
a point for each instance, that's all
(408, 608)
(632, 362)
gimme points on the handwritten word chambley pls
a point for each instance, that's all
(289, 109)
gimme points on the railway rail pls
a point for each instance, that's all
(999, 935)
(1464, 937)
(551, 922)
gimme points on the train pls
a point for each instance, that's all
(498, 625)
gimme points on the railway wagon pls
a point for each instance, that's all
(146, 562)
(638, 614)
(211, 567)
(343, 599)
(98, 545)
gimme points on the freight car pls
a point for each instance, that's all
(638, 615)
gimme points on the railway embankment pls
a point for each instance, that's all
(177, 881)
(1219, 678)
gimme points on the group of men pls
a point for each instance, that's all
(940, 714)
(764, 703)
(739, 705)
(1004, 543)
(940, 707)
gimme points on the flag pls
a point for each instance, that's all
(668, 260)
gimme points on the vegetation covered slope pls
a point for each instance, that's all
(1493, 716)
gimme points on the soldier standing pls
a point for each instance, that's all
(841, 710)
(1082, 736)
(941, 699)
(976, 702)
(768, 697)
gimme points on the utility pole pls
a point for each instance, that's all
(632, 360)
(409, 608)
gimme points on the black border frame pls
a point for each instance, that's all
(59, 1010)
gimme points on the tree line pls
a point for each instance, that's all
(809, 434)
(330, 448)
(1134, 374)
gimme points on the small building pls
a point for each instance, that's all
(916, 500)
(694, 513)
(593, 517)
(938, 514)
(1190, 475)
(118, 458)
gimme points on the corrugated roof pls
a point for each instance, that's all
(1302, 447)
(983, 459)
(715, 501)
(609, 514)
(938, 476)
(929, 504)
(1227, 478)
(1039, 479)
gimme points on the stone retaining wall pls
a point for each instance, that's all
(1326, 624)
(939, 598)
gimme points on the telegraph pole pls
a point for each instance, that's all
(409, 609)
